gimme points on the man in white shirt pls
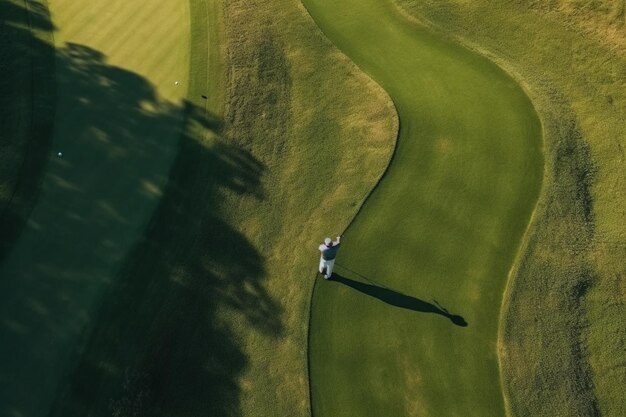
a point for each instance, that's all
(329, 253)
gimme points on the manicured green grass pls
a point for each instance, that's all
(432, 248)
(562, 336)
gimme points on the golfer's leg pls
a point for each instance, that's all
(321, 265)
(329, 268)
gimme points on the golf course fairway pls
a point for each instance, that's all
(408, 325)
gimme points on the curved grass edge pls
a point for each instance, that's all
(542, 96)
(277, 50)
(544, 191)
(356, 215)
(539, 205)
(396, 128)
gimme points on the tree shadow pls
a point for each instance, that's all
(400, 300)
(113, 314)
(161, 346)
(27, 96)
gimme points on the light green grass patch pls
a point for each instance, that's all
(433, 246)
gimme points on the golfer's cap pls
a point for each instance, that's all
(328, 241)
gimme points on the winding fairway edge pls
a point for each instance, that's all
(567, 301)
(409, 324)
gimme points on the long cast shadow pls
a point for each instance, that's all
(400, 300)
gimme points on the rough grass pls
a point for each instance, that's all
(324, 133)
(562, 332)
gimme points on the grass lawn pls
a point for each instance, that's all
(169, 260)
(563, 330)
(432, 248)
(163, 265)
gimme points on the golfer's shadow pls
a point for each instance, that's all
(400, 300)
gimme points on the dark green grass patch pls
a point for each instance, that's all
(410, 325)
(159, 345)
(27, 94)
(117, 140)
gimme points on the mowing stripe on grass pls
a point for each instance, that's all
(409, 324)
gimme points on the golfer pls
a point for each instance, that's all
(329, 253)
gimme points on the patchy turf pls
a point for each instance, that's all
(566, 302)
(409, 325)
